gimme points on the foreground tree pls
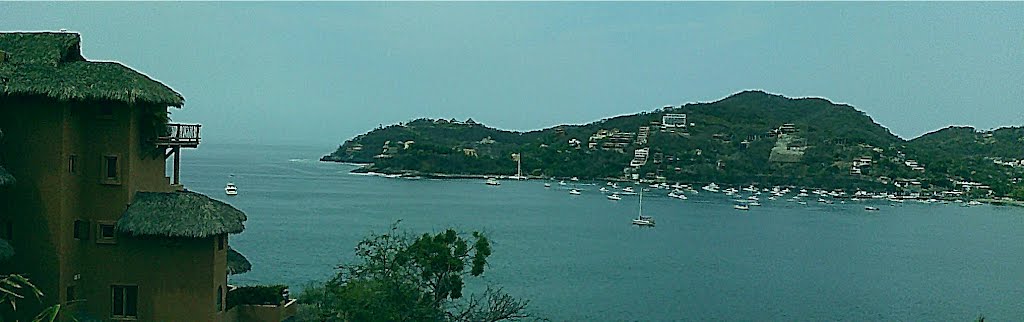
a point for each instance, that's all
(14, 287)
(399, 277)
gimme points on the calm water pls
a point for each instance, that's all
(577, 258)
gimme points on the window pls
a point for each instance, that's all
(111, 170)
(220, 298)
(106, 112)
(73, 163)
(69, 294)
(105, 233)
(6, 229)
(124, 300)
(81, 229)
(221, 241)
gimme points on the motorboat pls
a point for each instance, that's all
(614, 196)
(870, 208)
(492, 182)
(574, 192)
(230, 189)
(547, 185)
(627, 189)
(741, 207)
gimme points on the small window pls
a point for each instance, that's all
(105, 233)
(106, 112)
(220, 298)
(221, 241)
(111, 169)
(6, 229)
(124, 300)
(81, 230)
(73, 164)
(69, 294)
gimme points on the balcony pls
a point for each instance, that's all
(180, 135)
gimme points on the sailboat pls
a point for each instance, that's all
(642, 220)
(519, 167)
(614, 196)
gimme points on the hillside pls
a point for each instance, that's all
(964, 153)
(749, 137)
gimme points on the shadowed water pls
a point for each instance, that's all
(578, 258)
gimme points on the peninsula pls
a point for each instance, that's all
(750, 137)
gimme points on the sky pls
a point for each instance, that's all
(321, 73)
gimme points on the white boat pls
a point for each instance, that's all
(230, 189)
(974, 203)
(755, 203)
(609, 183)
(574, 179)
(574, 192)
(603, 189)
(641, 220)
(547, 185)
(870, 208)
(614, 196)
(741, 207)
(615, 185)
(711, 187)
(492, 182)
(627, 189)
(561, 183)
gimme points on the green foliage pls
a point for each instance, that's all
(256, 295)
(400, 277)
(14, 287)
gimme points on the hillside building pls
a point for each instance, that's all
(673, 120)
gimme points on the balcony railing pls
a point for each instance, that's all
(183, 135)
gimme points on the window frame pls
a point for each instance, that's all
(124, 302)
(100, 238)
(105, 169)
(73, 163)
(80, 229)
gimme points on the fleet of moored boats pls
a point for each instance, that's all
(613, 192)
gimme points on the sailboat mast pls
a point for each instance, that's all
(641, 214)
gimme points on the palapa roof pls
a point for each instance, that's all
(6, 178)
(50, 64)
(237, 264)
(6, 251)
(179, 214)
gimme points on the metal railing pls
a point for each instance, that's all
(180, 134)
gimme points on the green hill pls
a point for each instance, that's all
(748, 137)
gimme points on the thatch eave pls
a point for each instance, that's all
(6, 178)
(182, 214)
(6, 251)
(237, 263)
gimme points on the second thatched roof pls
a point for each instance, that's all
(5, 177)
(6, 251)
(237, 264)
(179, 214)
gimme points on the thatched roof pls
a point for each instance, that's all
(179, 214)
(237, 264)
(50, 64)
(6, 251)
(5, 177)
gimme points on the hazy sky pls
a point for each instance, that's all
(320, 73)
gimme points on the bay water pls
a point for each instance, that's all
(577, 258)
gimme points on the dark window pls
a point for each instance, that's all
(125, 300)
(111, 167)
(72, 163)
(69, 294)
(81, 229)
(7, 231)
(106, 111)
(106, 233)
(220, 242)
(220, 298)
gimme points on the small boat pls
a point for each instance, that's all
(741, 207)
(603, 189)
(641, 220)
(974, 203)
(755, 203)
(492, 182)
(614, 196)
(609, 183)
(547, 185)
(230, 189)
(615, 185)
(574, 192)
(627, 189)
(561, 183)
(574, 179)
(870, 208)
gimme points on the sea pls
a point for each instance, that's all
(578, 258)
